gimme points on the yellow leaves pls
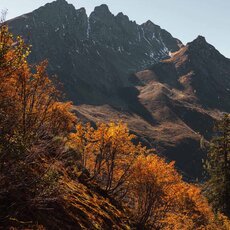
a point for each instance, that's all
(163, 199)
(153, 169)
(107, 152)
(13, 52)
(30, 103)
(175, 221)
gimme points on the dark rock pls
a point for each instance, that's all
(92, 56)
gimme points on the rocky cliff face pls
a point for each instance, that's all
(201, 71)
(100, 60)
(93, 56)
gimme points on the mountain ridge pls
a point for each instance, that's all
(91, 41)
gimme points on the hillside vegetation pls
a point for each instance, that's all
(58, 173)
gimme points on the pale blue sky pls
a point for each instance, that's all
(184, 19)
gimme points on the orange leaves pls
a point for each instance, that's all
(151, 186)
(154, 169)
(13, 52)
(162, 200)
(30, 107)
(152, 189)
(107, 152)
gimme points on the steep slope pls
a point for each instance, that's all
(77, 206)
(185, 94)
(93, 56)
(201, 71)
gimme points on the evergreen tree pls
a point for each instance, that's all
(218, 167)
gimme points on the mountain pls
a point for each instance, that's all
(200, 71)
(92, 54)
(175, 103)
(169, 94)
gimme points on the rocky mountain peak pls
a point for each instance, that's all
(102, 10)
(61, 2)
(200, 39)
(121, 16)
(149, 23)
(58, 4)
(81, 48)
(200, 45)
(53, 13)
(81, 11)
(202, 70)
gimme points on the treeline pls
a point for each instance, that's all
(43, 146)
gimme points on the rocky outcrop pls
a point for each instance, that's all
(201, 71)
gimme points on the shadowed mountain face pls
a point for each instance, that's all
(93, 56)
(103, 62)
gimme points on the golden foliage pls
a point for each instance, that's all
(32, 118)
(30, 107)
(13, 52)
(107, 152)
(162, 200)
(152, 189)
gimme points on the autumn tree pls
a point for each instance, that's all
(108, 153)
(33, 125)
(151, 182)
(13, 52)
(152, 190)
(160, 199)
(218, 167)
(30, 106)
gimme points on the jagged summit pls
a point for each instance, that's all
(102, 10)
(197, 50)
(149, 23)
(59, 4)
(81, 10)
(122, 16)
(200, 38)
(200, 48)
(102, 7)
(112, 46)
(62, 1)
(202, 69)
(199, 42)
